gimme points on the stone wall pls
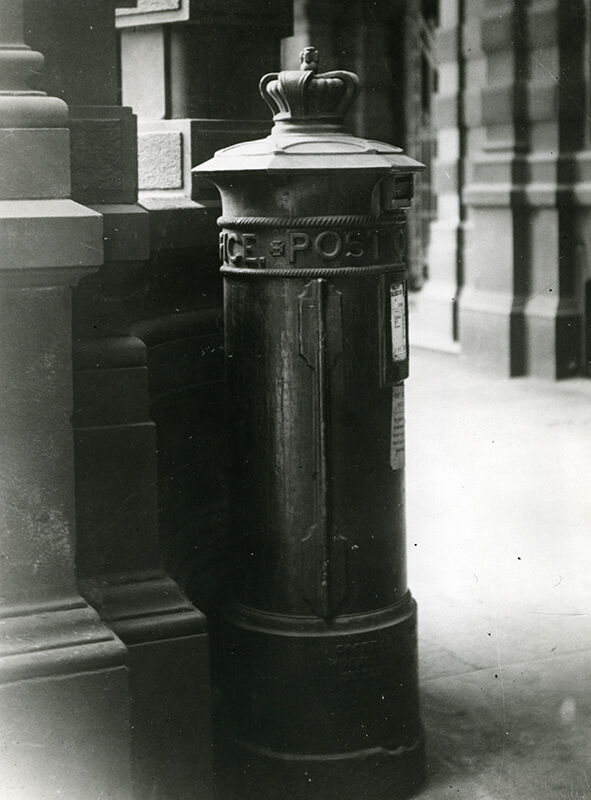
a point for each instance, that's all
(508, 257)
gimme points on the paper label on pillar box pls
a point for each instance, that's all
(398, 321)
(397, 436)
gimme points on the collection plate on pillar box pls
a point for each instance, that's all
(317, 649)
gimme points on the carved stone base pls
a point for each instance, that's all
(431, 318)
(64, 706)
(169, 682)
(170, 715)
(553, 338)
(488, 341)
(119, 559)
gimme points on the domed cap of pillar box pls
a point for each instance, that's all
(309, 134)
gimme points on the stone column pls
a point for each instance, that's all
(367, 39)
(419, 140)
(190, 71)
(119, 559)
(497, 254)
(64, 694)
(559, 166)
(386, 45)
(434, 318)
(521, 310)
(315, 24)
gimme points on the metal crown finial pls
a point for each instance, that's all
(303, 97)
(309, 59)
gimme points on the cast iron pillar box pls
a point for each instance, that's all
(320, 685)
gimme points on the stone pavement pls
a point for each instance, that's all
(499, 541)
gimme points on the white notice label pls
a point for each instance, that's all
(397, 437)
(398, 321)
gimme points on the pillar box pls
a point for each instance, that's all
(318, 646)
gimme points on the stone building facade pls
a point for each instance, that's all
(112, 428)
(508, 263)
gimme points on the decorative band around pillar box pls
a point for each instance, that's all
(319, 664)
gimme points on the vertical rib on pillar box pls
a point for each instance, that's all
(319, 646)
(64, 694)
